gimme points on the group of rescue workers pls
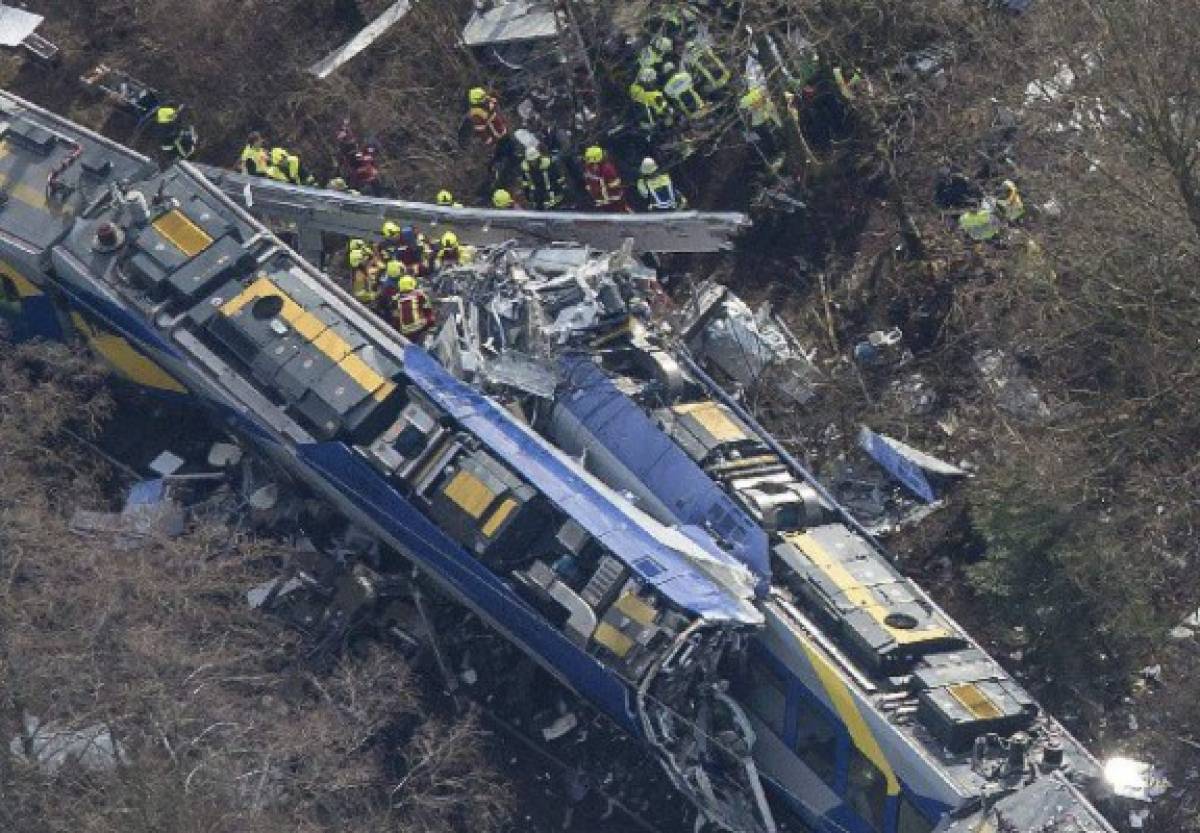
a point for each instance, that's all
(543, 177)
(385, 276)
(679, 80)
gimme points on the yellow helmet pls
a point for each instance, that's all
(358, 243)
(278, 156)
(593, 155)
(450, 240)
(390, 230)
(445, 198)
(502, 199)
(477, 95)
(396, 269)
(406, 284)
(166, 115)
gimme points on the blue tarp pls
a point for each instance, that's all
(610, 523)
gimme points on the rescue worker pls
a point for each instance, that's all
(851, 87)
(655, 112)
(446, 200)
(657, 189)
(1010, 203)
(759, 110)
(603, 182)
(702, 60)
(254, 159)
(390, 232)
(450, 252)
(656, 56)
(412, 310)
(543, 180)
(413, 250)
(486, 118)
(503, 200)
(295, 172)
(982, 224)
(278, 165)
(364, 278)
(393, 272)
(358, 245)
(680, 90)
(172, 137)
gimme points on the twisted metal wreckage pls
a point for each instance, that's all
(560, 462)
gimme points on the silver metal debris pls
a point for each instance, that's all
(51, 748)
(720, 329)
(330, 63)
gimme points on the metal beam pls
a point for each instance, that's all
(327, 65)
(333, 212)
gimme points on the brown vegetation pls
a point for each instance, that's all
(223, 725)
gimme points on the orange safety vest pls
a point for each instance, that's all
(414, 313)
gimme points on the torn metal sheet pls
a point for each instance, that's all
(720, 328)
(51, 747)
(897, 464)
(511, 22)
(330, 63)
(16, 25)
(317, 211)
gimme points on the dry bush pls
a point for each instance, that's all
(224, 726)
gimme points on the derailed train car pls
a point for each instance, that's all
(687, 581)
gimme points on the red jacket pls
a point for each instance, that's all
(489, 124)
(604, 185)
(414, 313)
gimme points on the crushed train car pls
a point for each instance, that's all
(558, 463)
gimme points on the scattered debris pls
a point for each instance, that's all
(1013, 391)
(166, 463)
(276, 588)
(149, 512)
(905, 463)
(503, 22)
(720, 329)
(52, 748)
(1181, 633)
(882, 348)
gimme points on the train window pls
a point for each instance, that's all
(768, 696)
(816, 743)
(866, 791)
(911, 821)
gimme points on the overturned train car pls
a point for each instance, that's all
(686, 581)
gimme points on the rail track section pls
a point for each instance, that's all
(629, 531)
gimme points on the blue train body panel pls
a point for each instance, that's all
(386, 507)
(658, 564)
(627, 433)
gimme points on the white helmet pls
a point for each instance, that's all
(532, 154)
(649, 166)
